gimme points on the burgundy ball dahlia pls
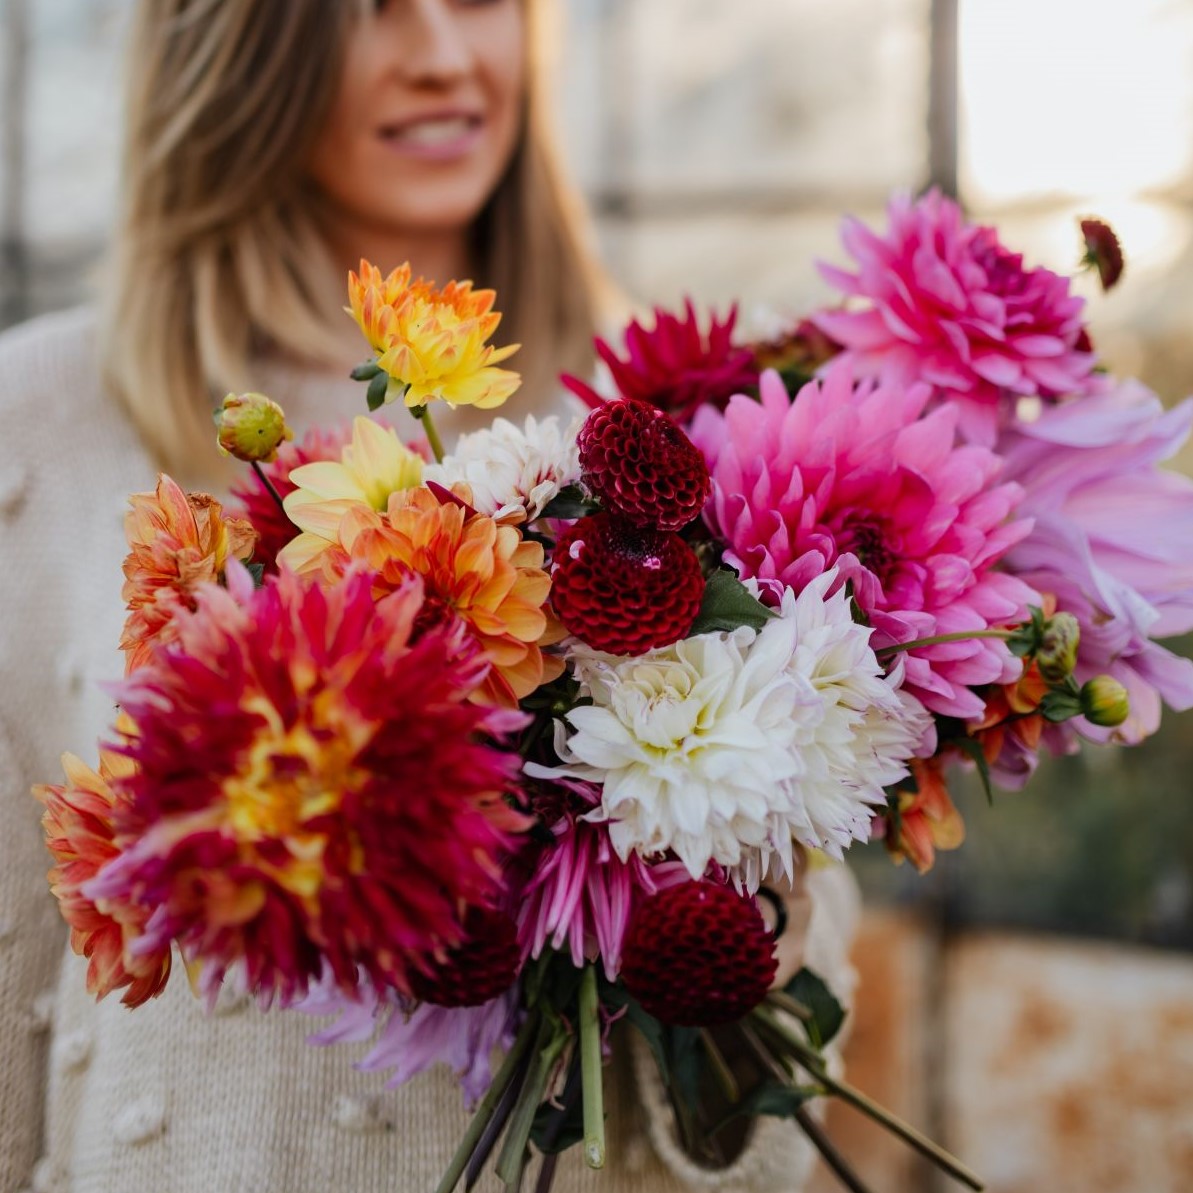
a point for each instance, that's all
(480, 969)
(623, 589)
(642, 466)
(698, 955)
(675, 366)
(1102, 251)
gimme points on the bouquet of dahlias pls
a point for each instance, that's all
(485, 750)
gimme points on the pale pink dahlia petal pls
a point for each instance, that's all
(941, 300)
(865, 478)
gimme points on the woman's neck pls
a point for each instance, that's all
(437, 255)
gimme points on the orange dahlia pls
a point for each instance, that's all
(432, 343)
(177, 541)
(926, 820)
(487, 574)
(313, 787)
(78, 823)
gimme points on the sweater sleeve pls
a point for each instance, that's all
(40, 542)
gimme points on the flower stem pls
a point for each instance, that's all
(936, 640)
(828, 1151)
(269, 485)
(811, 1060)
(720, 1067)
(548, 1045)
(590, 1071)
(488, 1105)
(423, 414)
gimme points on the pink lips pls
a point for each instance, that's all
(435, 136)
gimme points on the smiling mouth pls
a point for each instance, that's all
(430, 134)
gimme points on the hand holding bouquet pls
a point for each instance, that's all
(492, 749)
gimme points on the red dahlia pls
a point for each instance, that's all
(675, 366)
(624, 589)
(480, 969)
(642, 466)
(698, 954)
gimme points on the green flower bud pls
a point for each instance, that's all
(251, 428)
(1104, 701)
(1057, 655)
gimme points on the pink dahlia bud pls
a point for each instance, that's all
(698, 954)
(642, 466)
(1057, 655)
(623, 589)
(1102, 251)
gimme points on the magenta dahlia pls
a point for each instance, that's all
(941, 300)
(311, 788)
(676, 366)
(579, 895)
(257, 504)
(858, 477)
(642, 466)
(622, 588)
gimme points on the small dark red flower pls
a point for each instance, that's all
(698, 954)
(1102, 251)
(480, 969)
(624, 589)
(642, 466)
(675, 366)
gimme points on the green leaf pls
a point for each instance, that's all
(366, 371)
(378, 388)
(570, 502)
(1060, 705)
(771, 1098)
(727, 604)
(972, 749)
(651, 1030)
(557, 1128)
(257, 571)
(811, 990)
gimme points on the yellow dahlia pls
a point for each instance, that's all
(177, 541)
(78, 823)
(487, 574)
(432, 343)
(375, 464)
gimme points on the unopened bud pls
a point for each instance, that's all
(1104, 701)
(1057, 655)
(251, 428)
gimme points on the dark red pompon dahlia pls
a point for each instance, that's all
(624, 589)
(698, 955)
(640, 465)
(480, 969)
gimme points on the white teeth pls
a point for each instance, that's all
(435, 132)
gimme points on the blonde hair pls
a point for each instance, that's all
(218, 255)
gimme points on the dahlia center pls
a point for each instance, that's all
(868, 537)
(286, 779)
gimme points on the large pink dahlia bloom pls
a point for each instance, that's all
(311, 786)
(1113, 540)
(860, 478)
(941, 300)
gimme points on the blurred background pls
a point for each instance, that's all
(1030, 1000)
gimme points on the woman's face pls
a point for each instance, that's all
(427, 116)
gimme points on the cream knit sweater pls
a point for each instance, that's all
(96, 1099)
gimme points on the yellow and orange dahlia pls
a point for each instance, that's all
(177, 541)
(927, 819)
(432, 343)
(78, 823)
(485, 573)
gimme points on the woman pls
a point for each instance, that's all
(271, 143)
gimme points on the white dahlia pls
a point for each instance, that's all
(858, 736)
(513, 472)
(726, 746)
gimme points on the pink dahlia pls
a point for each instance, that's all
(941, 300)
(1113, 541)
(311, 786)
(676, 366)
(580, 895)
(274, 529)
(860, 478)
